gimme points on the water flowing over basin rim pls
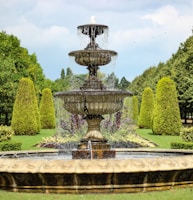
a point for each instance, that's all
(93, 102)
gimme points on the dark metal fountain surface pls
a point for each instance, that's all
(93, 99)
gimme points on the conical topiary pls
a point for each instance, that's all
(135, 109)
(47, 110)
(25, 117)
(146, 109)
(166, 114)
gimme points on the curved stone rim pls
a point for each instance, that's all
(15, 165)
(93, 93)
(95, 52)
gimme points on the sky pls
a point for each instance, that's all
(142, 32)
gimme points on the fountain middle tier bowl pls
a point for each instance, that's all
(93, 102)
(93, 57)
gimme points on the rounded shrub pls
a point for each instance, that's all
(6, 133)
(25, 117)
(146, 109)
(187, 134)
(166, 114)
(135, 109)
(47, 110)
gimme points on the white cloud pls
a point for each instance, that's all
(163, 16)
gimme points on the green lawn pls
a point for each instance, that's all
(28, 142)
(175, 194)
(161, 141)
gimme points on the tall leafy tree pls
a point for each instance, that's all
(166, 116)
(146, 109)
(15, 63)
(25, 118)
(69, 72)
(47, 110)
(124, 83)
(62, 74)
(7, 88)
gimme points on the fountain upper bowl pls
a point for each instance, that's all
(92, 57)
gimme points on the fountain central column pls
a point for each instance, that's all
(93, 122)
(93, 100)
(100, 147)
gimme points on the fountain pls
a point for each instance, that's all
(95, 167)
(93, 99)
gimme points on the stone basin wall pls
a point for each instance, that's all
(96, 176)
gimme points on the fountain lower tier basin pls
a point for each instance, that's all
(97, 176)
(93, 102)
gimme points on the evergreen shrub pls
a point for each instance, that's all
(146, 109)
(47, 110)
(187, 134)
(166, 114)
(135, 109)
(182, 145)
(11, 146)
(25, 117)
(6, 133)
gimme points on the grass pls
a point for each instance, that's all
(161, 141)
(174, 194)
(29, 142)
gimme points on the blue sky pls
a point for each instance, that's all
(143, 32)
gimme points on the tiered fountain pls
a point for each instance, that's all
(93, 99)
(21, 171)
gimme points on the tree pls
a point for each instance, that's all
(15, 63)
(124, 83)
(69, 72)
(25, 117)
(166, 114)
(7, 89)
(146, 109)
(62, 74)
(47, 110)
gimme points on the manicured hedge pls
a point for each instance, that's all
(166, 114)
(26, 116)
(146, 110)
(182, 145)
(11, 146)
(47, 111)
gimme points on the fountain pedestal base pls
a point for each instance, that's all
(93, 149)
